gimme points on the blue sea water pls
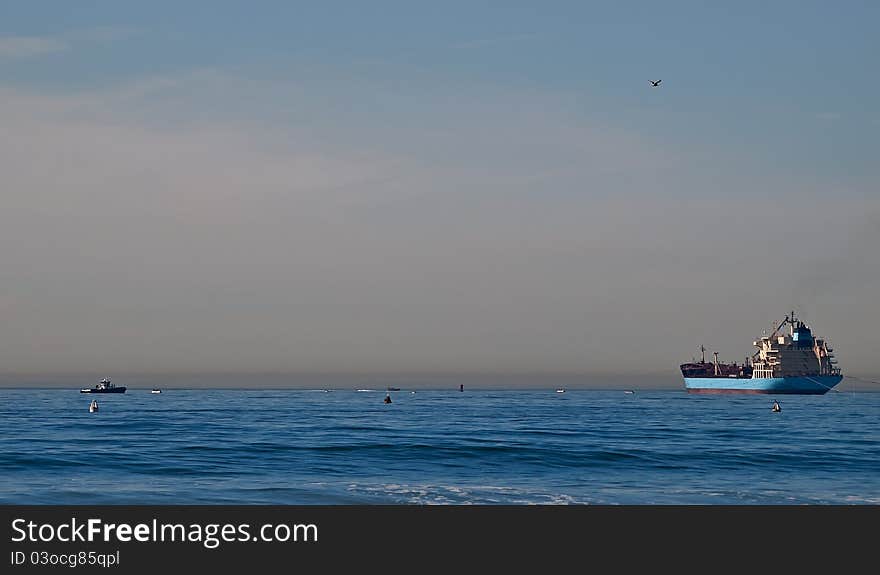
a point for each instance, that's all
(236, 446)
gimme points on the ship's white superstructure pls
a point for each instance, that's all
(794, 354)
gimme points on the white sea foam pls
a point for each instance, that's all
(430, 494)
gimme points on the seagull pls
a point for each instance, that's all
(655, 84)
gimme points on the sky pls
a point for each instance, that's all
(434, 188)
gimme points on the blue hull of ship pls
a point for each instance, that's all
(806, 384)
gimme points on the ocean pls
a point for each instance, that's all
(484, 447)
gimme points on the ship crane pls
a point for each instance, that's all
(782, 323)
(788, 320)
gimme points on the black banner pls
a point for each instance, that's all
(133, 539)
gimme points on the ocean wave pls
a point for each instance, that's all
(500, 447)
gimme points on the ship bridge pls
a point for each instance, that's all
(796, 353)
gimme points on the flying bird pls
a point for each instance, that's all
(655, 84)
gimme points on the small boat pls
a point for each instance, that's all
(93, 407)
(104, 386)
(392, 389)
(155, 391)
(629, 392)
(560, 390)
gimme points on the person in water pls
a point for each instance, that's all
(776, 407)
(388, 398)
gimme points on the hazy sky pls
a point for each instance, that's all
(433, 187)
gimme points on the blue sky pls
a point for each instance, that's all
(799, 74)
(447, 186)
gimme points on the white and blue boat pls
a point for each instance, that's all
(795, 362)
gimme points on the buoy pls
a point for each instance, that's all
(93, 407)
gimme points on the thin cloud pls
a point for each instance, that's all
(21, 47)
(102, 34)
(24, 47)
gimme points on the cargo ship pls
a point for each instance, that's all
(791, 361)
